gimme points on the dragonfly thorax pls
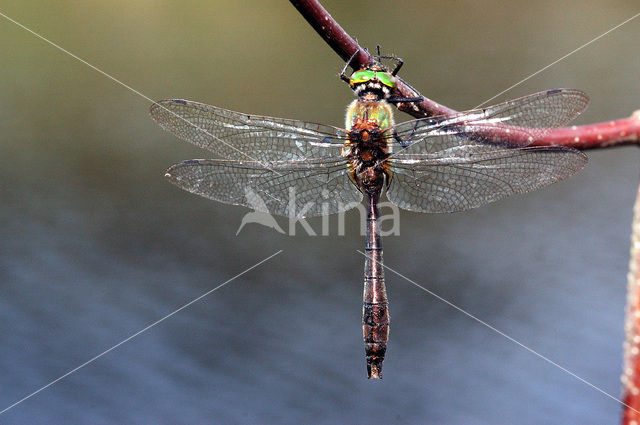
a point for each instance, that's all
(366, 149)
(369, 114)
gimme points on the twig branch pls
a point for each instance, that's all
(593, 136)
(631, 368)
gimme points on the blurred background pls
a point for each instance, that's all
(95, 245)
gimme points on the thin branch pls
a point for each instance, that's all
(631, 369)
(331, 32)
(593, 136)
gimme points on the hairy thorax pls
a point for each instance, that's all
(366, 150)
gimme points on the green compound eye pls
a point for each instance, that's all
(361, 76)
(386, 78)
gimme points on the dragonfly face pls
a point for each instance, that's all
(440, 164)
(373, 82)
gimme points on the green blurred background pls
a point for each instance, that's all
(95, 244)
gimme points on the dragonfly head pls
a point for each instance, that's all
(373, 81)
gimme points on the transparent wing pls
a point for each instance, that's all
(476, 175)
(238, 136)
(527, 117)
(550, 108)
(288, 188)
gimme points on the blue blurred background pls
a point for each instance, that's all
(95, 244)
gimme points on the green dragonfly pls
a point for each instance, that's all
(442, 164)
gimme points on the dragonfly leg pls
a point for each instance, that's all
(399, 63)
(400, 140)
(343, 75)
(405, 99)
(398, 60)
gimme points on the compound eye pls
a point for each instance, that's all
(386, 78)
(361, 76)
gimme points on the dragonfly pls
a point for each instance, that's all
(443, 164)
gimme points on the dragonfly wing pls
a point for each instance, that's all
(550, 108)
(288, 188)
(535, 112)
(455, 139)
(238, 136)
(476, 176)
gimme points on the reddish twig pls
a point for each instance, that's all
(593, 136)
(631, 371)
(620, 132)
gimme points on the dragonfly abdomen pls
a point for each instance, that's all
(375, 326)
(375, 307)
